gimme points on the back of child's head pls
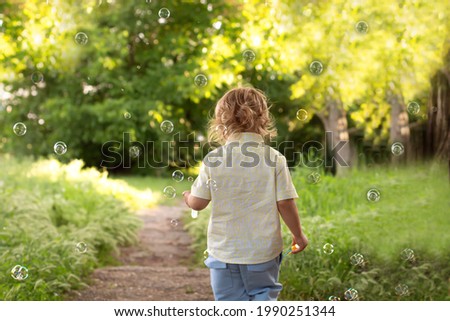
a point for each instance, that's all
(241, 110)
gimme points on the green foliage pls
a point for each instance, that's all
(411, 213)
(46, 209)
(135, 62)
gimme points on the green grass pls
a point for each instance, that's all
(411, 213)
(155, 186)
(46, 209)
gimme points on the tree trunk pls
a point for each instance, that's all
(400, 131)
(438, 127)
(338, 156)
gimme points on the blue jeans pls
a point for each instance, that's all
(245, 282)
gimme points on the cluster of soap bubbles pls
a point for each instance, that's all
(211, 184)
(397, 149)
(249, 55)
(19, 273)
(302, 115)
(351, 294)
(413, 108)
(81, 38)
(167, 126)
(357, 259)
(19, 129)
(316, 67)
(313, 178)
(408, 255)
(200, 80)
(81, 247)
(373, 195)
(328, 248)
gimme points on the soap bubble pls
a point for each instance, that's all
(316, 67)
(178, 176)
(397, 149)
(19, 273)
(362, 27)
(135, 151)
(373, 195)
(407, 255)
(167, 126)
(169, 192)
(357, 259)
(190, 179)
(81, 247)
(211, 184)
(174, 222)
(351, 294)
(302, 115)
(221, 130)
(60, 148)
(37, 77)
(402, 289)
(164, 13)
(19, 129)
(328, 248)
(81, 38)
(313, 178)
(333, 298)
(413, 107)
(249, 55)
(194, 214)
(205, 254)
(200, 80)
(126, 115)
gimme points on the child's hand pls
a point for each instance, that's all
(186, 197)
(299, 243)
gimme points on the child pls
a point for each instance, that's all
(248, 184)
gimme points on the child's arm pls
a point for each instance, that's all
(289, 213)
(193, 202)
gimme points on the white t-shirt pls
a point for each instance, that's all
(244, 179)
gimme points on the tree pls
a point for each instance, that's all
(134, 62)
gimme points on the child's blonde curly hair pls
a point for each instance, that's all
(243, 109)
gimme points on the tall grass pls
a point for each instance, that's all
(413, 213)
(46, 209)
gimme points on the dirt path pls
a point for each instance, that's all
(156, 268)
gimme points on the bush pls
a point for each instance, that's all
(46, 210)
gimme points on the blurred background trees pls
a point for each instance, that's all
(137, 66)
